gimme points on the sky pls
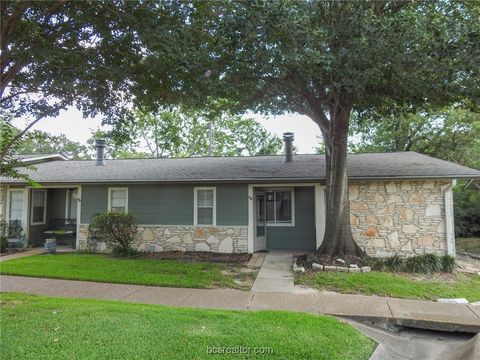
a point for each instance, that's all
(76, 128)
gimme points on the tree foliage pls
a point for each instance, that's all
(451, 134)
(183, 132)
(41, 142)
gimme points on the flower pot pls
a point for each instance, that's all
(50, 245)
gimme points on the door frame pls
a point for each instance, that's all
(263, 239)
(319, 190)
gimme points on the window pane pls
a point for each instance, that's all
(284, 206)
(38, 198)
(119, 194)
(118, 201)
(205, 216)
(205, 198)
(16, 205)
(38, 203)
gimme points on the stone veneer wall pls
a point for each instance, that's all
(399, 217)
(154, 238)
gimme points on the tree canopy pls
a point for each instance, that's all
(184, 132)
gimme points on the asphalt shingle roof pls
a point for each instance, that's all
(401, 165)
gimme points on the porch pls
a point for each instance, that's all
(286, 216)
(47, 212)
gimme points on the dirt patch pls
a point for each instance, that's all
(441, 277)
(197, 256)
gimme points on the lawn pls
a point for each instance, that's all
(397, 285)
(469, 245)
(104, 268)
(35, 327)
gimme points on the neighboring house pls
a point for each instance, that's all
(400, 202)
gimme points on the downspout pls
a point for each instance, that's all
(449, 219)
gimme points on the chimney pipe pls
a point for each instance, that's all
(288, 140)
(100, 145)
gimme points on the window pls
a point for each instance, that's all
(118, 199)
(71, 206)
(39, 202)
(279, 207)
(204, 206)
(16, 205)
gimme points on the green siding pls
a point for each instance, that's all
(161, 204)
(169, 204)
(302, 235)
(93, 201)
(232, 204)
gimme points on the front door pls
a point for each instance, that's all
(260, 222)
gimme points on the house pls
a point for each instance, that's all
(401, 203)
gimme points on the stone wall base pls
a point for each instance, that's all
(156, 238)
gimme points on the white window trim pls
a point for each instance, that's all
(292, 195)
(44, 220)
(195, 207)
(110, 189)
(24, 219)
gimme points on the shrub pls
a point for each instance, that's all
(423, 264)
(3, 243)
(448, 263)
(395, 263)
(116, 229)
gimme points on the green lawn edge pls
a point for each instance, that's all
(107, 269)
(394, 285)
(55, 328)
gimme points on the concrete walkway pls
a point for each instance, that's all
(276, 274)
(18, 255)
(412, 313)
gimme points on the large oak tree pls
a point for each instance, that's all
(324, 59)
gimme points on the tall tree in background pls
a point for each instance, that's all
(450, 134)
(40, 142)
(182, 132)
(323, 59)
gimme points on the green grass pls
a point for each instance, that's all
(103, 268)
(35, 327)
(395, 285)
(470, 245)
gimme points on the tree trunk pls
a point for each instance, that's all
(338, 240)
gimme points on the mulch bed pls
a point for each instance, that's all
(306, 260)
(197, 256)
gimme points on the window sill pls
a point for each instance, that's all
(280, 224)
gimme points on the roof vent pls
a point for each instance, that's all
(288, 140)
(101, 145)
